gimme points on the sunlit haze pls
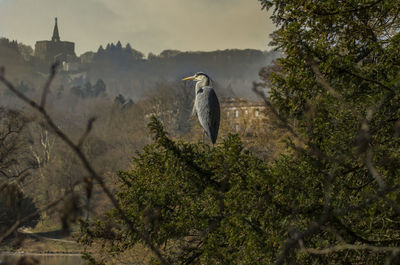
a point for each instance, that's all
(149, 26)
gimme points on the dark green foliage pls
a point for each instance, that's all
(90, 91)
(117, 57)
(203, 204)
(99, 88)
(123, 102)
(14, 205)
(219, 205)
(337, 187)
(339, 83)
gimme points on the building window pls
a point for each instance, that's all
(246, 112)
(227, 114)
(236, 113)
(257, 113)
(236, 127)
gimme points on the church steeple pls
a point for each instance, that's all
(56, 36)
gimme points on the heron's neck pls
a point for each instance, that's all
(202, 83)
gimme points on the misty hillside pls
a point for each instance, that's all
(127, 71)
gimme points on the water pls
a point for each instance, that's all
(43, 259)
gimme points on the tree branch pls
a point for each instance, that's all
(344, 247)
(82, 157)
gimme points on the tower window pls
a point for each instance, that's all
(236, 113)
(236, 127)
(257, 113)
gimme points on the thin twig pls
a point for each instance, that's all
(87, 131)
(46, 88)
(321, 79)
(298, 238)
(82, 157)
(344, 247)
(373, 171)
(19, 178)
(376, 82)
(283, 121)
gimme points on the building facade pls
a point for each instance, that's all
(243, 116)
(55, 50)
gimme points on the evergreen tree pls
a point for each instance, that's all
(100, 50)
(118, 46)
(338, 92)
(99, 89)
(199, 202)
(331, 198)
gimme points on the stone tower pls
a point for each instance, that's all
(55, 49)
(56, 36)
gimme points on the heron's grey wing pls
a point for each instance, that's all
(194, 108)
(208, 111)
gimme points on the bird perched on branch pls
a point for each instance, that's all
(206, 105)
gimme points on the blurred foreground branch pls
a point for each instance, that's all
(77, 149)
(304, 146)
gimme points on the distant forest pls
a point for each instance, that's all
(129, 72)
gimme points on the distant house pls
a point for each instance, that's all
(243, 116)
(54, 50)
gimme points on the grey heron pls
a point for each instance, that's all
(206, 105)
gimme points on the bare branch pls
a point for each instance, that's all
(20, 178)
(365, 125)
(345, 247)
(284, 122)
(298, 238)
(374, 172)
(321, 79)
(87, 131)
(82, 157)
(315, 150)
(46, 88)
(365, 79)
(8, 133)
(365, 130)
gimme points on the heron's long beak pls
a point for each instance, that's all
(189, 78)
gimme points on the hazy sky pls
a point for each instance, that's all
(148, 25)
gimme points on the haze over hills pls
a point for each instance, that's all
(127, 71)
(150, 26)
